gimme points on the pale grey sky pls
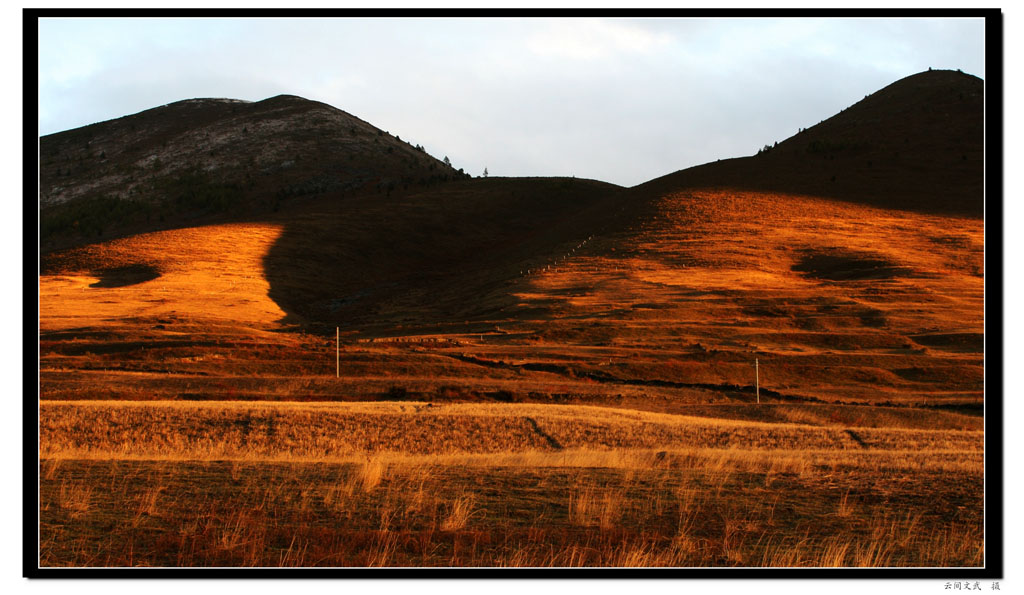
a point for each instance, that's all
(619, 100)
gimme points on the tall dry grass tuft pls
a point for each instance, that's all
(76, 498)
(49, 468)
(785, 554)
(416, 500)
(293, 556)
(369, 474)
(517, 558)
(336, 496)
(459, 512)
(147, 505)
(955, 545)
(591, 507)
(873, 554)
(636, 556)
(650, 555)
(845, 507)
(833, 552)
(733, 540)
(383, 549)
(242, 538)
(902, 531)
(691, 502)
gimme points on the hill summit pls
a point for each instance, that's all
(916, 144)
(195, 160)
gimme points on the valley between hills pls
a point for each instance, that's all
(273, 335)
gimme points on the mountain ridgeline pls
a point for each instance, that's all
(207, 160)
(916, 145)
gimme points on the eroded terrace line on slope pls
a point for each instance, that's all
(555, 444)
(606, 378)
(856, 438)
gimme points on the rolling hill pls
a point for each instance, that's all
(369, 359)
(915, 145)
(571, 287)
(203, 160)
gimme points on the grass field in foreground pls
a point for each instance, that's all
(397, 484)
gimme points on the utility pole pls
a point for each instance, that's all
(757, 381)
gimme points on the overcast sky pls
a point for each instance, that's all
(619, 100)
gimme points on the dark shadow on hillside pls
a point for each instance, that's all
(842, 265)
(125, 276)
(916, 145)
(439, 258)
(936, 189)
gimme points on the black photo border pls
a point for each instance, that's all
(994, 318)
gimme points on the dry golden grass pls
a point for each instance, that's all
(330, 431)
(717, 275)
(688, 290)
(458, 513)
(657, 323)
(370, 474)
(215, 272)
(75, 498)
(234, 484)
(430, 512)
(846, 506)
(595, 507)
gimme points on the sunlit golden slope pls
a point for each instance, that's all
(835, 300)
(570, 290)
(213, 272)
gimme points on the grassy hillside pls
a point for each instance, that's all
(526, 372)
(838, 302)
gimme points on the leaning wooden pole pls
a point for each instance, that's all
(757, 381)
